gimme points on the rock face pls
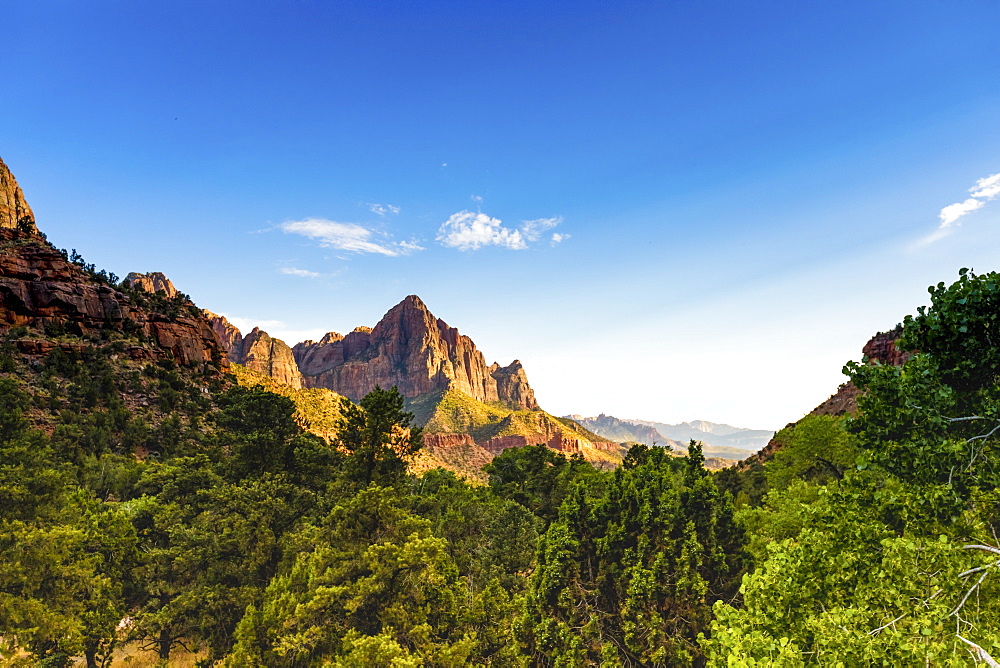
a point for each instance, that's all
(41, 289)
(880, 349)
(15, 214)
(152, 283)
(257, 351)
(414, 351)
(272, 357)
(229, 337)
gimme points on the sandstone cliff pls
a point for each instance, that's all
(15, 214)
(257, 351)
(414, 351)
(154, 282)
(229, 337)
(272, 357)
(42, 291)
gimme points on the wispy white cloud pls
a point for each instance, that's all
(382, 209)
(466, 230)
(533, 229)
(292, 271)
(985, 190)
(951, 213)
(988, 187)
(478, 199)
(350, 237)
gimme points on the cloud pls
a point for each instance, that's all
(533, 229)
(951, 213)
(292, 271)
(466, 230)
(986, 189)
(478, 199)
(382, 209)
(349, 237)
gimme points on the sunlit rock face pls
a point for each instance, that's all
(41, 289)
(154, 282)
(15, 214)
(414, 351)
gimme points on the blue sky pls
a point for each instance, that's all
(667, 211)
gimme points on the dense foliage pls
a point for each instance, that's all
(153, 505)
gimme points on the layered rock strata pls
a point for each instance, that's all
(414, 351)
(41, 289)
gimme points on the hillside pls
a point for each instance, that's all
(469, 410)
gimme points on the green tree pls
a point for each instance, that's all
(629, 578)
(370, 580)
(892, 563)
(379, 435)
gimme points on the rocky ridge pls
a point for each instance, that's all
(52, 298)
(15, 214)
(470, 410)
(414, 351)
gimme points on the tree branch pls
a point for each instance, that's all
(885, 626)
(987, 548)
(968, 594)
(980, 653)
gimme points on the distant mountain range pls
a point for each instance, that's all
(719, 440)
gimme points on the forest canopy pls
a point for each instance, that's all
(204, 518)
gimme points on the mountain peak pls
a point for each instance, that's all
(15, 213)
(153, 282)
(413, 302)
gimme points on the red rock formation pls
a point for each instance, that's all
(414, 351)
(498, 444)
(257, 351)
(447, 440)
(153, 282)
(229, 337)
(880, 349)
(15, 214)
(271, 357)
(560, 442)
(40, 288)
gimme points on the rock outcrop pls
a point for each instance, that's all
(229, 337)
(259, 352)
(154, 282)
(42, 290)
(414, 351)
(880, 349)
(15, 214)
